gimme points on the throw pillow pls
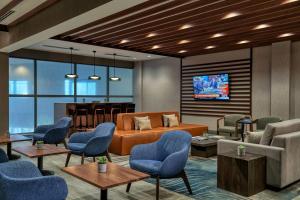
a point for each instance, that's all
(254, 137)
(267, 136)
(145, 124)
(136, 121)
(166, 119)
(173, 121)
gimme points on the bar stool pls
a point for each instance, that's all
(82, 111)
(130, 108)
(115, 110)
(99, 113)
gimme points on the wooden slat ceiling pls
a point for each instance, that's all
(13, 12)
(129, 29)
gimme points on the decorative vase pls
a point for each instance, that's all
(102, 168)
(39, 145)
(241, 151)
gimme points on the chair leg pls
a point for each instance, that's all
(108, 156)
(94, 159)
(65, 144)
(82, 159)
(128, 187)
(157, 188)
(186, 182)
(33, 142)
(68, 159)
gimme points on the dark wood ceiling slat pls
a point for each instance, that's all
(9, 6)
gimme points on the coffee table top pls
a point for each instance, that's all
(12, 138)
(47, 150)
(115, 175)
(246, 157)
(211, 141)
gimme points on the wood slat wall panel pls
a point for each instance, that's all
(240, 89)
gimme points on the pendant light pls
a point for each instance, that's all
(94, 76)
(71, 75)
(114, 77)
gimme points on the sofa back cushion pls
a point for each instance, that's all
(125, 121)
(279, 128)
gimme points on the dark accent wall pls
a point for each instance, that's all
(240, 88)
(61, 57)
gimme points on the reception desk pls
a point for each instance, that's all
(68, 109)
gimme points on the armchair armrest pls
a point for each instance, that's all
(46, 188)
(218, 124)
(174, 164)
(144, 152)
(81, 137)
(43, 128)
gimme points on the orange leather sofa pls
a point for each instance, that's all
(125, 136)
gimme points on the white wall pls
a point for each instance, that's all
(160, 82)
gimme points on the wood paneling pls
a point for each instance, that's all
(239, 85)
(166, 17)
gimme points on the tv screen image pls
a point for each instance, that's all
(211, 87)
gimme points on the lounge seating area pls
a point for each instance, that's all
(147, 99)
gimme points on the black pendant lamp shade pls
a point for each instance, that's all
(72, 75)
(94, 76)
(114, 77)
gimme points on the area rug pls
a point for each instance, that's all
(202, 175)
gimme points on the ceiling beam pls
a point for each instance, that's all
(9, 6)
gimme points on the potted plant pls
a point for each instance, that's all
(241, 150)
(102, 164)
(39, 144)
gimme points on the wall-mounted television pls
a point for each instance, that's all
(211, 87)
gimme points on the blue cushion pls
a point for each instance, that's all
(38, 136)
(148, 166)
(76, 147)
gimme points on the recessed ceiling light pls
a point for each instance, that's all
(151, 35)
(231, 15)
(217, 35)
(182, 51)
(155, 47)
(286, 35)
(261, 26)
(149, 56)
(124, 41)
(184, 41)
(186, 26)
(243, 42)
(289, 1)
(134, 58)
(210, 47)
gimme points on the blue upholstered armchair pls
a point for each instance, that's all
(3, 156)
(163, 159)
(53, 134)
(21, 180)
(92, 144)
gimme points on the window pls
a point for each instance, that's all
(21, 76)
(51, 78)
(29, 106)
(21, 115)
(91, 87)
(123, 87)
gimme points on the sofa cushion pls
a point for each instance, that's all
(145, 124)
(166, 119)
(173, 121)
(254, 137)
(136, 122)
(279, 128)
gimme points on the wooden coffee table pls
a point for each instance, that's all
(8, 140)
(207, 148)
(47, 150)
(116, 175)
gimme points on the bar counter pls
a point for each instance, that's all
(68, 109)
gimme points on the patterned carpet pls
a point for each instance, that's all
(201, 173)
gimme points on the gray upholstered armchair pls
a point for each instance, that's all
(261, 123)
(229, 124)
